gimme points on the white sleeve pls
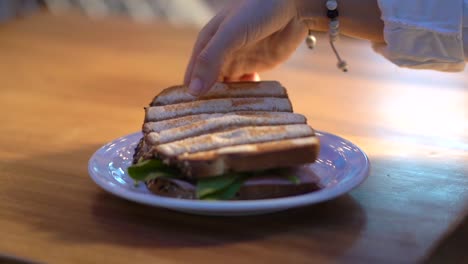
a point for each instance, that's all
(465, 28)
(425, 34)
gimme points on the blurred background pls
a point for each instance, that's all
(440, 111)
(177, 12)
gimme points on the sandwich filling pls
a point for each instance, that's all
(169, 181)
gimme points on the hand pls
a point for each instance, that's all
(246, 37)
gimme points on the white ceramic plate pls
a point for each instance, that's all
(341, 166)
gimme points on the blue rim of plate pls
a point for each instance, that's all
(321, 195)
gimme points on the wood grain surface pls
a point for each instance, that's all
(68, 85)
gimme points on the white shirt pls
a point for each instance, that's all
(425, 34)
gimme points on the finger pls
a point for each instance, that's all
(237, 30)
(203, 38)
(228, 79)
(250, 77)
(207, 66)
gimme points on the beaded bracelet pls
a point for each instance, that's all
(333, 33)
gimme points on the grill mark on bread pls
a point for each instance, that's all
(225, 105)
(159, 126)
(179, 94)
(275, 145)
(239, 136)
(223, 123)
(246, 101)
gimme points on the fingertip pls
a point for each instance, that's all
(184, 81)
(204, 75)
(195, 87)
(188, 73)
(251, 77)
(256, 77)
(228, 79)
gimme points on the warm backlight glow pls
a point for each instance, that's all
(428, 112)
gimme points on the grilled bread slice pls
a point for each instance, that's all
(178, 94)
(236, 127)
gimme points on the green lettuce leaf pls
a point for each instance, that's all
(294, 179)
(227, 193)
(210, 186)
(151, 169)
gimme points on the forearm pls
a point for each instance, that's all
(358, 18)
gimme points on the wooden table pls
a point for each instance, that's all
(69, 85)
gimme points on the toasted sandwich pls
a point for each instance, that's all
(238, 141)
